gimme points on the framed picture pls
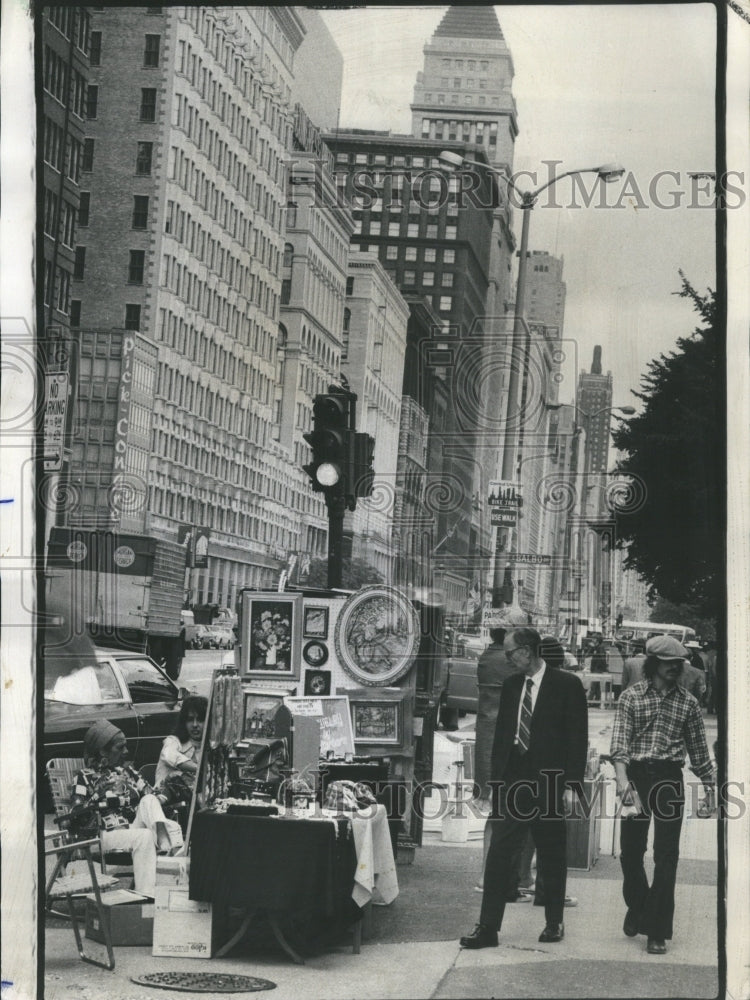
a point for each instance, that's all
(259, 712)
(377, 717)
(315, 622)
(271, 634)
(318, 682)
(315, 653)
(335, 721)
(377, 635)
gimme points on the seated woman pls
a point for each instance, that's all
(111, 798)
(180, 754)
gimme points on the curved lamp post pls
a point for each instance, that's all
(607, 173)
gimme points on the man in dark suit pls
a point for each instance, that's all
(540, 748)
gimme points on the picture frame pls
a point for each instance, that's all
(377, 635)
(317, 682)
(259, 709)
(377, 717)
(271, 634)
(315, 621)
(336, 735)
(315, 653)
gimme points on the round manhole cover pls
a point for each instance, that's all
(204, 982)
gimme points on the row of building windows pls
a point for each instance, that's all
(197, 183)
(187, 392)
(59, 223)
(72, 23)
(458, 81)
(56, 288)
(468, 100)
(62, 152)
(393, 160)
(65, 84)
(412, 230)
(482, 65)
(470, 131)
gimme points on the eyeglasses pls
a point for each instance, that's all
(513, 650)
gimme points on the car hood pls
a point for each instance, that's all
(60, 717)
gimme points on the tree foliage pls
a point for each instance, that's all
(674, 448)
(355, 573)
(668, 613)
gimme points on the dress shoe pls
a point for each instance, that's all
(630, 924)
(481, 937)
(656, 946)
(552, 933)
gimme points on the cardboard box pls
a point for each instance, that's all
(183, 927)
(172, 871)
(130, 917)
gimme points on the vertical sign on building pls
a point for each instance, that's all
(122, 423)
(57, 390)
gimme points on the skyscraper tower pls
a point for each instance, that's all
(464, 90)
(595, 413)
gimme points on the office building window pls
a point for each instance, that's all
(445, 303)
(350, 286)
(448, 279)
(143, 158)
(391, 253)
(451, 232)
(454, 98)
(148, 104)
(92, 100)
(394, 228)
(413, 229)
(75, 312)
(95, 48)
(132, 317)
(79, 266)
(83, 208)
(482, 100)
(430, 255)
(286, 291)
(140, 211)
(151, 51)
(135, 267)
(411, 253)
(449, 256)
(87, 160)
(432, 232)
(428, 278)
(375, 228)
(410, 277)
(457, 82)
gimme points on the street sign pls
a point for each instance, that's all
(503, 517)
(57, 386)
(531, 558)
(504, 493)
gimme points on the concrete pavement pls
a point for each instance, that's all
(413, 952)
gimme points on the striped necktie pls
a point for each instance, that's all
(524, 725)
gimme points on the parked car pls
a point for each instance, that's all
(222, 637)
(127, 689)
(203, 638)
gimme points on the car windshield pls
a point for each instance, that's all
(145, 681)
(80, 681)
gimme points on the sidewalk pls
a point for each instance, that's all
(413, 952)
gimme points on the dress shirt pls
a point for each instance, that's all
(650, 726)
(536, 680)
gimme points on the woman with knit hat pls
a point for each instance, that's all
(111, 798)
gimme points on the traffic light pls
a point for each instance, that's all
(329, 440)
(363, 474)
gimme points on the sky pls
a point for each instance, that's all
(628, 84)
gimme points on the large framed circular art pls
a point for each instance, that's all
(377, 635)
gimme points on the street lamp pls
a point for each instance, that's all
(607, 173)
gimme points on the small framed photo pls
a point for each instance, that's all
(315, 653)
(271, 634)
(318, 682)
(315, 622)
(377, 717)
(260, 710)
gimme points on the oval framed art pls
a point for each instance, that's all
(377, 635)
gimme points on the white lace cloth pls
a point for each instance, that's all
(375, 878)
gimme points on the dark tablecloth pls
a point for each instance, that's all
(271, 864)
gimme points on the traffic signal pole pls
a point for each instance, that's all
(336, 504)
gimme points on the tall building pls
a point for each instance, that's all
(464, 91)
(66, 103)
(545, 290)
(188, 127)
(595, 413)
(373, 353)
(318, 71)
(631, 592)
(437, 247)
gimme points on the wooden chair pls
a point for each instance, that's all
(70, 887)
(61, 774)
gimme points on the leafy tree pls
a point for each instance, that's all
(355, 573)
(668, 613)
(674, 446)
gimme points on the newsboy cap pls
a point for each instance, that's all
(665, 647)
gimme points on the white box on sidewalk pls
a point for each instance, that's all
(183, 927)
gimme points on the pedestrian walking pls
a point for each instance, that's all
(632, 669)
(656, 723)
(539, 753)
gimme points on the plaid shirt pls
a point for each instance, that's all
(108, 799)
(653, 727)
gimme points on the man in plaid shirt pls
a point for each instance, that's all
(656, 723)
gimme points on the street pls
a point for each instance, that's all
(198, 666)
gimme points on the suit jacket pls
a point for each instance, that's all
(559, 726)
